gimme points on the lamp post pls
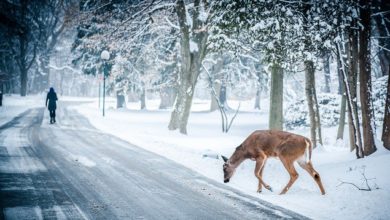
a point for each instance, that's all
(105, 55)
(99, 92)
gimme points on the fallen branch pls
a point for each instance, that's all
(365, 179)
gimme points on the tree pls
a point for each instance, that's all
(382, 33)
(326, 64)
(193, 42)
(267, 26)
(276, 98)
(386, 120)
(365, 78)
(341, 91)
(141, 33)
(31, 29)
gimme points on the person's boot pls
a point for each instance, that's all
(51, 120)
(54, 119)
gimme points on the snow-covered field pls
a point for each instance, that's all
(334, 162)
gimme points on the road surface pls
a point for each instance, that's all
(70, 170)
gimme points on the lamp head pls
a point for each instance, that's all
(105, 55)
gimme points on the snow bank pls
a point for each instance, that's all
(334, 162)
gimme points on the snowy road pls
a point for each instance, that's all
(70, 170)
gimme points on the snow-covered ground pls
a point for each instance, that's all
(334, 162)
(14, 105)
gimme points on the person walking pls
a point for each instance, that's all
(51, 99)
(1, 97)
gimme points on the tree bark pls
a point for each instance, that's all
(340, 129)
(386, 120)
(326, 59)
(120, 99)
(44, 75)
(317, 111)
(352, 81)
(143, 98)
(214, 103)
(217, 84)
(311, 98)
(223, 96)
(365, 79)
(167, 96)
(276, 98)
(259, 90)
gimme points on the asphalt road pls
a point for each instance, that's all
(70, 170)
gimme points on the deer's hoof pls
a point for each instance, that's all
(259, 191)
(269, 188)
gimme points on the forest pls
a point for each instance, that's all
(315, 62)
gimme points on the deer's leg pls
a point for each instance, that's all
(308, 166)
(259, 166)
(289, 165)
(261, 176)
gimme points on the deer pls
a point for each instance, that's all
(262, 144)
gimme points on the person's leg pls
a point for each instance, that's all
(54, 116)
(51, 116)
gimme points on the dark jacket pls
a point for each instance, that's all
(51, 98)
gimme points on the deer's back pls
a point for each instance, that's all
(274, 143)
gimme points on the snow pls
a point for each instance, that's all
(193, 46)
(203, 15)
(13, 105)
(205, 142)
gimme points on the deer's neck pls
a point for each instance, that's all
(237, 158)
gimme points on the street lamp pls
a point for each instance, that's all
(105, 56)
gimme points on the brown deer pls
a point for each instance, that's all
(260, 145)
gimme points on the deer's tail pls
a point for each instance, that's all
(309, 148)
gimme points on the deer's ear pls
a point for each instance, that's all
(224, 158)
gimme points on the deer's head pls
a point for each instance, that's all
(228, 170)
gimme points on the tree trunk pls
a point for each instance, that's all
(23, 81)
(340, 129)
(22, 65)
(311, 98)
(317, 111)
(365, 79)
(352, 80)
(223, 96)
(143, 98)
(259, 90)
(132, 96)
(217, 84)
(276, 98)
(44, 75)
(386, 120)
(120, 99)
(191, 59)
(352, 107)
(326, 59)
(214, 103)
(167, 96)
